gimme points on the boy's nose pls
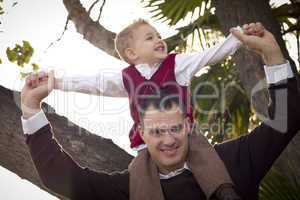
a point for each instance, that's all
(159, 39)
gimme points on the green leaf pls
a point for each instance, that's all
(172, 10)
(0, 61)
(35, 66)
(27, 46)
(23, 75)
(276, 186)
(20, 54)
(11, 55)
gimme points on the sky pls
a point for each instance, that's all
(41, 23)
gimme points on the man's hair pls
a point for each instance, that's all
(125, 38)
(162, 100)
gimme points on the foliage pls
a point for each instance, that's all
(1, 7)
(21, 55)
(202, 12)
(221, 105)
(171, 10)
(276, 186)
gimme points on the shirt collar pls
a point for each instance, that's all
(147, 70)
(174, 173)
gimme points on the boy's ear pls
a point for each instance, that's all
(131, 54)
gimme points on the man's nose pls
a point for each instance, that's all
(168, 139)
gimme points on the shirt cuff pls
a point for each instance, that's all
(34, 123)
(235, 39)
(278, 73)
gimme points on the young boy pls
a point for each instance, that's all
(152, 69)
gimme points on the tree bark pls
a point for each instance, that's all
(92, 31)
(238, 12)
(86, 148)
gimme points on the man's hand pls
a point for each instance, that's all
(263, 43)
(36, 88)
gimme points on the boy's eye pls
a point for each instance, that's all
(149, 38)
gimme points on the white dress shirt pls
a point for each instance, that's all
(186, 66)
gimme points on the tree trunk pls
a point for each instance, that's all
(238, 12)
(86, 148)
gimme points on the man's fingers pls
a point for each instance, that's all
(34, 80)
(50, 80)
(28, 80)
(259, 29)
(255, 29)
(245, 26)
(41, 74)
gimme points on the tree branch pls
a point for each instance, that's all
(101, 9)
(92, 6)
(92, 31)
(287, 10)
(60, 37)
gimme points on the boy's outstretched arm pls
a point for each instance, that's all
(105, 82)
(187, 65)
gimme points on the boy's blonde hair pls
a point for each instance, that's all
(125, 38)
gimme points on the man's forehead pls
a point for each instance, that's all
(161, 125)
(155, 117)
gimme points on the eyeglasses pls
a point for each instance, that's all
(159, 132)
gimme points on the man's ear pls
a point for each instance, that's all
(131, 54)
(187, 124)
(141, 131)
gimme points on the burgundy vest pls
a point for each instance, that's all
(138, 87)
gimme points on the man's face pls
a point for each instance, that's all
(148, 47)
(166, 136)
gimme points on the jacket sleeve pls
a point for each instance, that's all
(63, 176)
(249, 158)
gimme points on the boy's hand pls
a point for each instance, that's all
(256, 29)
(36, 88)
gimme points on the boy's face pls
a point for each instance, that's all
(148, 47)
(166, 136)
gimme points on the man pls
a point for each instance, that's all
(165, 130)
